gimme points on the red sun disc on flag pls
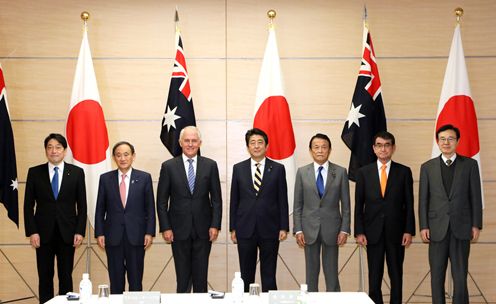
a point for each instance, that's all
(274, 118)
(87, 132)
(459, 111)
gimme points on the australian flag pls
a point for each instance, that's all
(179, 111)
(366, 117)
(8, 170)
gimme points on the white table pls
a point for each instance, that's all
(200, 298)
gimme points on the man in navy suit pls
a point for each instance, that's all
(125, 219)
(259, 211)
(189, 207)
(55, 215)
(384, 216)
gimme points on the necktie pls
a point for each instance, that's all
(383, 179)
(191, 176)
(320, 182)
(55, 182)
(122, 190)
(449, 162)
(257, 181)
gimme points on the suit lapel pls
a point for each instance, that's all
(266, 173)
(331, 175)
(375, 180)
(456, 175)
(46, 180)
(199, 170)
(437, 175)
(114, 186)
(311, 177)
(65, 176)
(182, 171)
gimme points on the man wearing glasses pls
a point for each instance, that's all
(450, 213)
(384, 216)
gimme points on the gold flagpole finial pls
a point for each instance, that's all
(271, 14)
(459, 14)
(85, 16)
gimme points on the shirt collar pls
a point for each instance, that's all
(316, 166)
(128, 173)
(444, 158)
(185, 158)
(254, 162)
(379, 165)
(60, 166)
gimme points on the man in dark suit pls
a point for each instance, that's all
(55, 215)
(384, 216)
(259, 211)
(450, 213)
(321, 213)
(125, 219)
(189, 206)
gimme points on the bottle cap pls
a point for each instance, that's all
(86, 276)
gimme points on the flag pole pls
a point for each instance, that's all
(85, 16)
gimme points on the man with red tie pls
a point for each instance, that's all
(125, 219)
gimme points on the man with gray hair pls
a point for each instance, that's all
(189, 207)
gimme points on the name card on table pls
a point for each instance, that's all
(283, 296)
(141, 297)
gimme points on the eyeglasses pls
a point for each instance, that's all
(447, 139)
(386, 145)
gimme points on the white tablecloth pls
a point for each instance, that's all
(200, 298)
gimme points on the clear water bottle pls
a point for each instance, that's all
(237, 288)
(85, 289)
(303, 297)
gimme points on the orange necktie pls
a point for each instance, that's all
(383, 179)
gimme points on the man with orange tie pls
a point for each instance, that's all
(125, 219)
(384, 217)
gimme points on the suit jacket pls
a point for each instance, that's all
(68, 211)
(329, 214)
(180, 210)
(137, 219)
(461, 209)
(393, 213)
(266, 212)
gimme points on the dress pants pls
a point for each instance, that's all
(191, 262)
(395, 254)
(458, 252)
(125, 258)
(45, 261)
(329, 265)
(247, 252)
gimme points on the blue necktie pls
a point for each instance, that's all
(191, 176)
(55, 182)
(320, 182)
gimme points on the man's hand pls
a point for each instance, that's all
(168, 236)
(233, 237)
(361, 240)
(407, 240)
(78, 239)
(283, 234)
(213, 234)
(300, 240)
(475, 234)
(34, 239)
(101, 241)
(342, 238)
(148, 241)
(425, 235)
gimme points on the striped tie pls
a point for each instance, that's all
(257, 182)
(191, 176)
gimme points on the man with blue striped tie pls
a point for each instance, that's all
(189, 207)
